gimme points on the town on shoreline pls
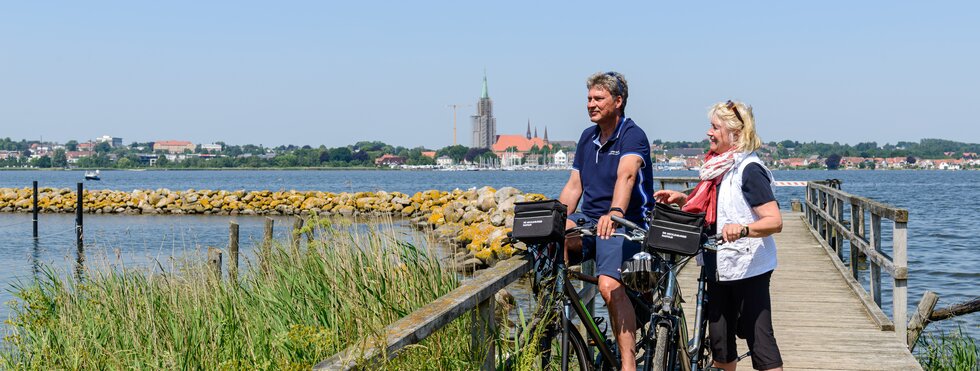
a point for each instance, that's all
(515, 153)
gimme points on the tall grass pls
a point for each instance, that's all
(949, 351)
(297, 307)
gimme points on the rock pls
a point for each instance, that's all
(344, 210)
(504, 298)
(448, 231)
(408, 210)
(473, 216)
(453, 212)
(497, 218)
(505, 193)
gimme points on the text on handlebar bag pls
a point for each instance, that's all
(539, 221)
(674, 231)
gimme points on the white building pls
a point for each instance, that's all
(444, 161)
(560, 158)
(213, 147)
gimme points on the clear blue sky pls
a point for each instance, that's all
(335, 73)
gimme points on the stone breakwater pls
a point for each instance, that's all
(477, 219)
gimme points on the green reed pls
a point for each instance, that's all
(949, 351)
(290, 310)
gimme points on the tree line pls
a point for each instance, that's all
(364, 153)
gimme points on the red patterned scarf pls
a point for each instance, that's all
(704, 198)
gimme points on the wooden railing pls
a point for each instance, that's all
(825, 205)
(475, 296)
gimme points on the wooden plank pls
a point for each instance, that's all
(820, 320)
(421, 323)
(873, 310)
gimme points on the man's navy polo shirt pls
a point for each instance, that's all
(598, 164)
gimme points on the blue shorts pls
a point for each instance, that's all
(609, 254)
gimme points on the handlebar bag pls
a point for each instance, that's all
(674, 231)
(539, 221)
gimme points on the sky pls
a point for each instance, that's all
(335, 73)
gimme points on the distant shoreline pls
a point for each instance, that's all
(385, 169)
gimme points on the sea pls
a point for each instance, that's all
(943, 210)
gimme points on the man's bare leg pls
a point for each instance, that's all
(622, 317)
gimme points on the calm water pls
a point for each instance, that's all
(943, 206)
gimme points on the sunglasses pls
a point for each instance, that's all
(731, 106)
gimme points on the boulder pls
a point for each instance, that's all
(505, 193)
(473, 216)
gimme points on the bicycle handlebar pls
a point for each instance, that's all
(626, 223)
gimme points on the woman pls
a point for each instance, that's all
(737, 197)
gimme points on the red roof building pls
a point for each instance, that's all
(389, 160)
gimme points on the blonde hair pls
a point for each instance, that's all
(747, 140)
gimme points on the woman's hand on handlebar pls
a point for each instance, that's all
(731, 232)
(668, 197)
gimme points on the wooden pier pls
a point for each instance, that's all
(823, 317)
(819, 321)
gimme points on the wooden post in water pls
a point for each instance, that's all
(794, 205)
(297, 226)
(34, 210)
(214, 261)
(921, 317)
(233, 251)
(266, 244)
(78, 219)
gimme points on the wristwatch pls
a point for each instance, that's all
(745, 231)
(611, 209)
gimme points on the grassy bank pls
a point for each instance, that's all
(294, 309)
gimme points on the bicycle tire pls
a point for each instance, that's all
(660, 351)
(551, 353)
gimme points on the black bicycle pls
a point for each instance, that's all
(651, 280)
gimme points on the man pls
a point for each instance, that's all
(612, 176)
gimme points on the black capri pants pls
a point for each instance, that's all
(742, 308)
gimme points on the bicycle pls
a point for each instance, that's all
(651, 280)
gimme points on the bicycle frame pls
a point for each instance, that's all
(571, 302)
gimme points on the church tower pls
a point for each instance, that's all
(484, 124)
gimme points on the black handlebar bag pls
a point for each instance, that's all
(539, 222)
(674, 231)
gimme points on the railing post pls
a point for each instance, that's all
(483, 331)
(900, 289)
(875, 240)
(839, 233)
(855, 253)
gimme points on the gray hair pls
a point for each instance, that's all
(613, 82)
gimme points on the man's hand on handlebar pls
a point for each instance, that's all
(606, 226)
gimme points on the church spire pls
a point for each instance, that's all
(528, 129)
(546, 134)
(535, 131)
(486, 94)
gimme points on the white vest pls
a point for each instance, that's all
(745, 257)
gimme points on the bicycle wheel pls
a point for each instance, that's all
(660, 356)
(578, 359)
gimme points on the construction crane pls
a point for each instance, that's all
(454, 107)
